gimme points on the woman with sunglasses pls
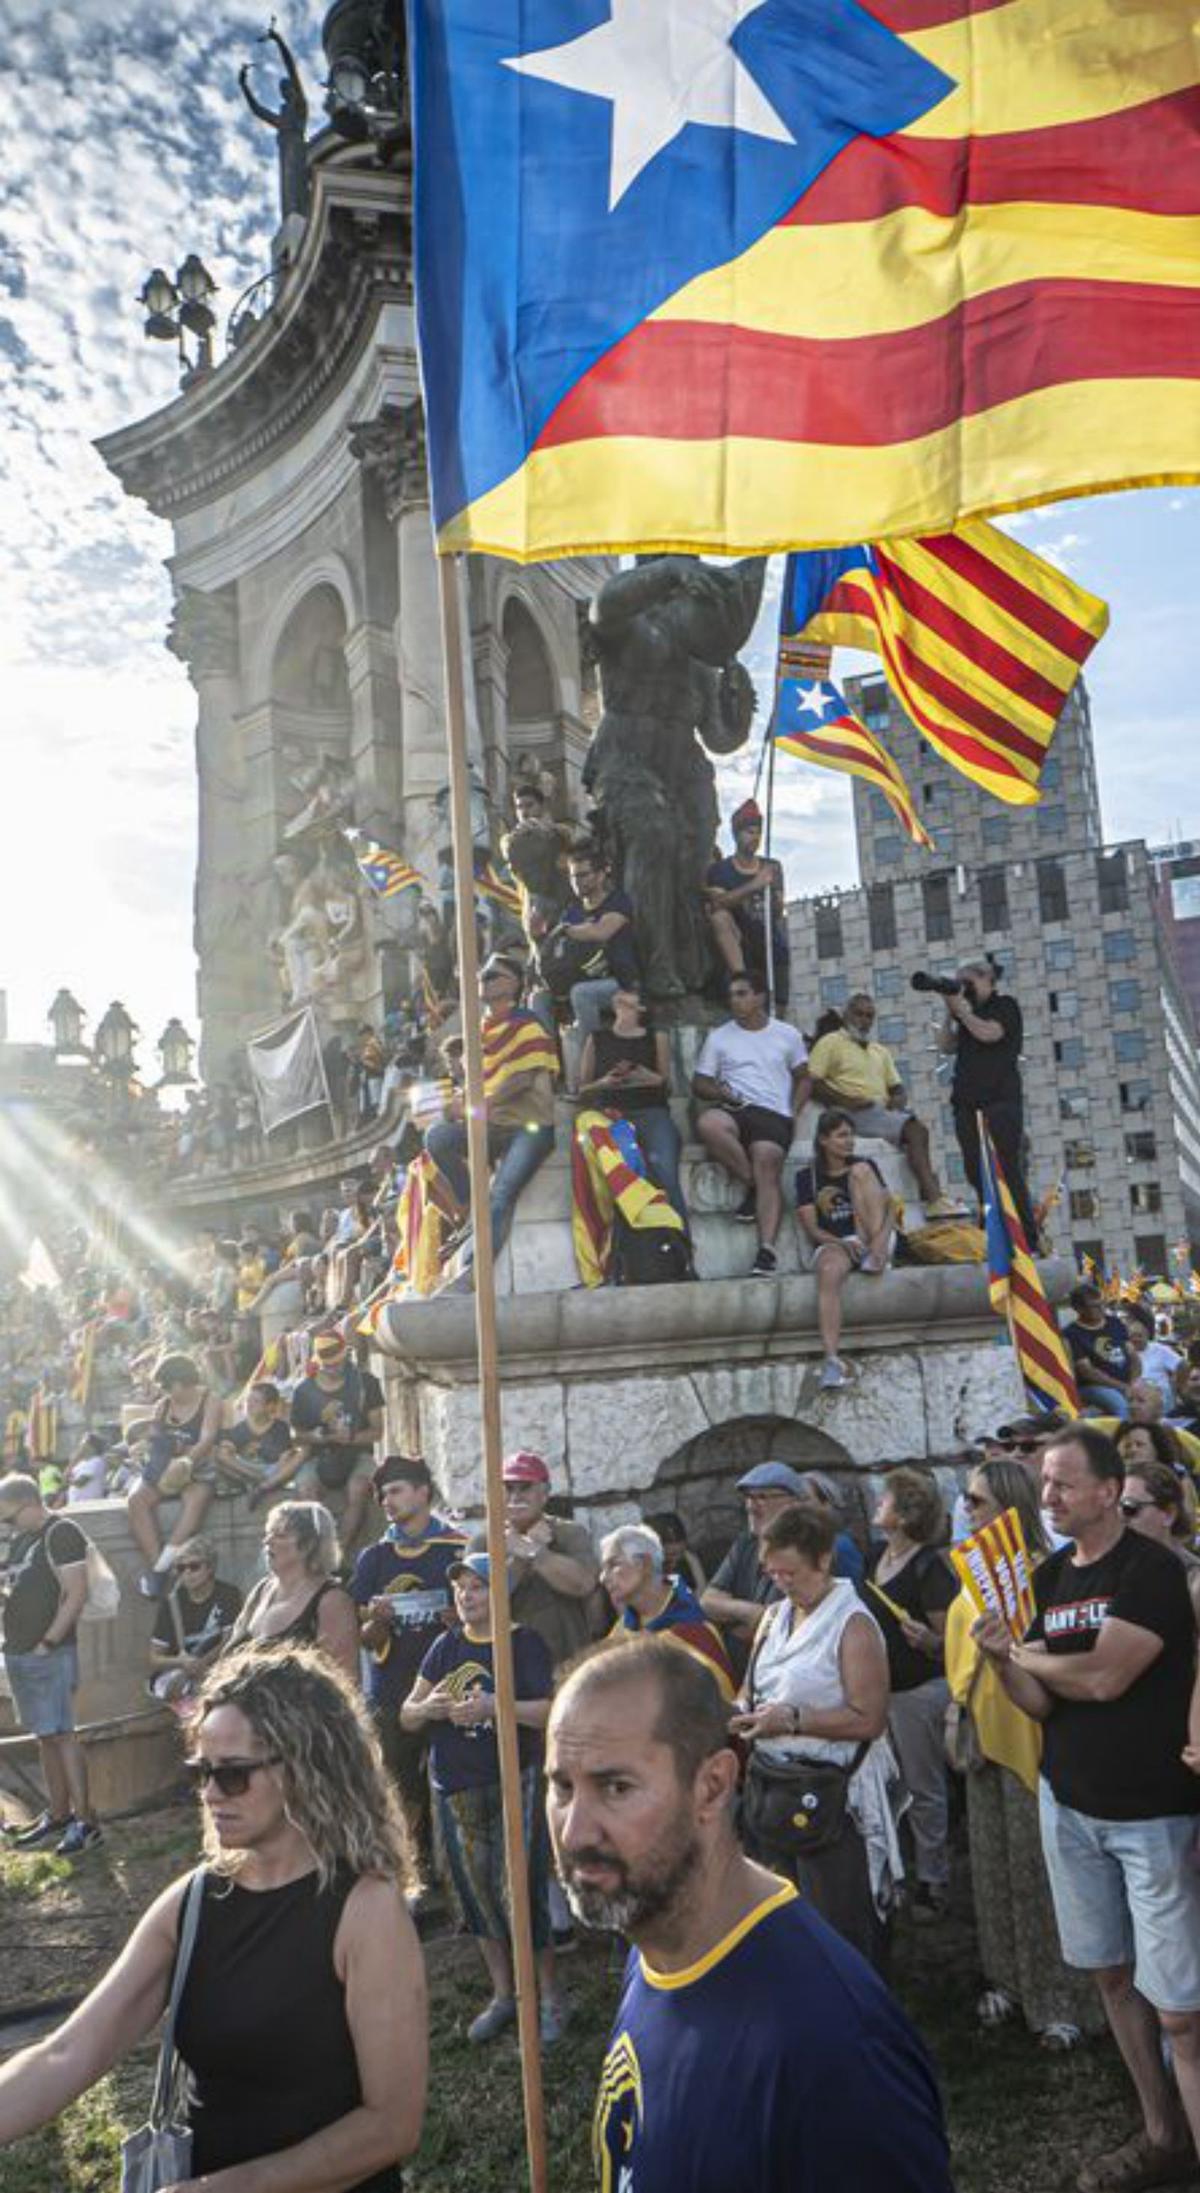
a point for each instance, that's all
(193, 1622)
(1162, 1505)
(302, 2021)
(301, 1601)
(998, 1750)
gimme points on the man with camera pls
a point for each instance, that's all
(983, 1034)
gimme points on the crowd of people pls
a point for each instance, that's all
(794, 1725)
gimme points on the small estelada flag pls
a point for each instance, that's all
(995, 1570)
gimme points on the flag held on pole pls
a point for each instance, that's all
(813, 722)
(739, 275)
(1017, 1293)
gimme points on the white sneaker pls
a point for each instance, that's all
(833, 1375)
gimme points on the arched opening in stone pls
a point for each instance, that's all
(699, 1481)
(531, 693)
(309, 671)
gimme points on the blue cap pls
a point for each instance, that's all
(772, 1477)
(471, 1564)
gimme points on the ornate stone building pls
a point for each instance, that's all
(293, 477)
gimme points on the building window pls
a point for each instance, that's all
(1065, 1003)
(1150, 1251)
(834, 989)
(1119, 944)
(889, 851)
(1113, 882)
(1129, 1045)
(1071, 1051)
(1074, 1104)
(995, 832)
(1060, 955)
(1141, 1148)
(881, 917)
(1080, 1157)
(1052, 890)
(1051, 773)
(892, 1029)
(1145, 1198)
(1125, 996)
(993, 899)
(1052, 821)
(1136, 1096)
(828, 922)
(1085, 1203)
(939, 922)
(888, 981)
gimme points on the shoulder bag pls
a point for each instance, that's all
(159, 2153)
(792, 1808)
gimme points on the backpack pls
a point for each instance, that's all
(103, 1590)
(648, 1256)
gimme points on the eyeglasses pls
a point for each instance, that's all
(1134, 1507)
(232, 1776)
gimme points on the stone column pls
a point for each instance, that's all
(230, 902)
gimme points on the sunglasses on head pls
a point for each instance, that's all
(232, 1776)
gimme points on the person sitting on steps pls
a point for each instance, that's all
(750, 1082)
(849, 1219)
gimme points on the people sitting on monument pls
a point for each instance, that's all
(178, 1464)
(337, 1429)
(633, 1571)
(519, 1067)
(625, 1068)
(1100, 1352)
(848, 1219)
(193, 1622)
(1154, 1359)
(857, 1074)
(590, 954)
(750, 1083)
(249, 1452)
(737, 891)
(535, 851)
(301, 1600)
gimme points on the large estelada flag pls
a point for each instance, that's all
(981, 639)
(749, 274)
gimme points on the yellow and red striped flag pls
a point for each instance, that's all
(981, 639)
(698, 275)
(1017, 1293)
(814, 723)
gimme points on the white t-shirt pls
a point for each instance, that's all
(756, 1062)
(1158, 1366)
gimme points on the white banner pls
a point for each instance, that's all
(287, 1070)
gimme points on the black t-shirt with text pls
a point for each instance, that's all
(346, 1408)
(32, 1586)
(1105, 1347)
(618, 957)
(925, 1586)
(989, 1073)
(829, 1193)
(1120, 1759)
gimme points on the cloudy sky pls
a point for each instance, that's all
(127, 146)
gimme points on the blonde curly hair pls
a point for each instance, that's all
(337, 1791)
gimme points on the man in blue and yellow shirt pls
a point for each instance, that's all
(401, 1585)
(753, 2050)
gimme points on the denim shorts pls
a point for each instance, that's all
(1127, 1892)
(43, 1686)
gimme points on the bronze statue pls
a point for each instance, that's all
(290, 126)
(667, 635)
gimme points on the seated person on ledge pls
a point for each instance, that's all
(249, 1453)
(193, 1622)
(625, 1068)
(848, 1218)
(1100, 1352)
(751, 1079)
(855, 1074)
(736, 893)
(601, 919)
(519, 1065)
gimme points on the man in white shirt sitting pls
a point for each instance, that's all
(750, 1082)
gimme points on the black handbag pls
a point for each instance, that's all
(793, 1808)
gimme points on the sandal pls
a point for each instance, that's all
(1058, 2039)
(1137, 2166)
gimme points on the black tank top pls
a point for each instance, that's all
(303, 1629)
(262, 2025)
(609, 1049)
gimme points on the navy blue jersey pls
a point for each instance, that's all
(469, 1758)
(411, 1572)
(777, 2064)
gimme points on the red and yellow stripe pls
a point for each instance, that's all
(516, 1045)
(995, 307)
(852, 749)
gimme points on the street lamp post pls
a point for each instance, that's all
(179, 307)
(114, 1043)
(175, 1049)
(66, 1019)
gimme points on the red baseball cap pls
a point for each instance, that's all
(524, 1469)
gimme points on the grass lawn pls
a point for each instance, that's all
(1020, 2120)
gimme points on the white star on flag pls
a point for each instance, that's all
(813, 701)
(662, 64)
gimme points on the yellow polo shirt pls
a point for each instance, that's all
(863, 1073)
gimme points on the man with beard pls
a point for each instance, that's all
(753, 2050)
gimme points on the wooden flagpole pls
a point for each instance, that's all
(489, 1377)
(769, 895)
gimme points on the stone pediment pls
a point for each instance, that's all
(355, 258)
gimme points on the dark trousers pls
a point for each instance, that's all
(406, 1758)
(836, 1881)
(1006, 1125)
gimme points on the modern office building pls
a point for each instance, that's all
(1112, 1080)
